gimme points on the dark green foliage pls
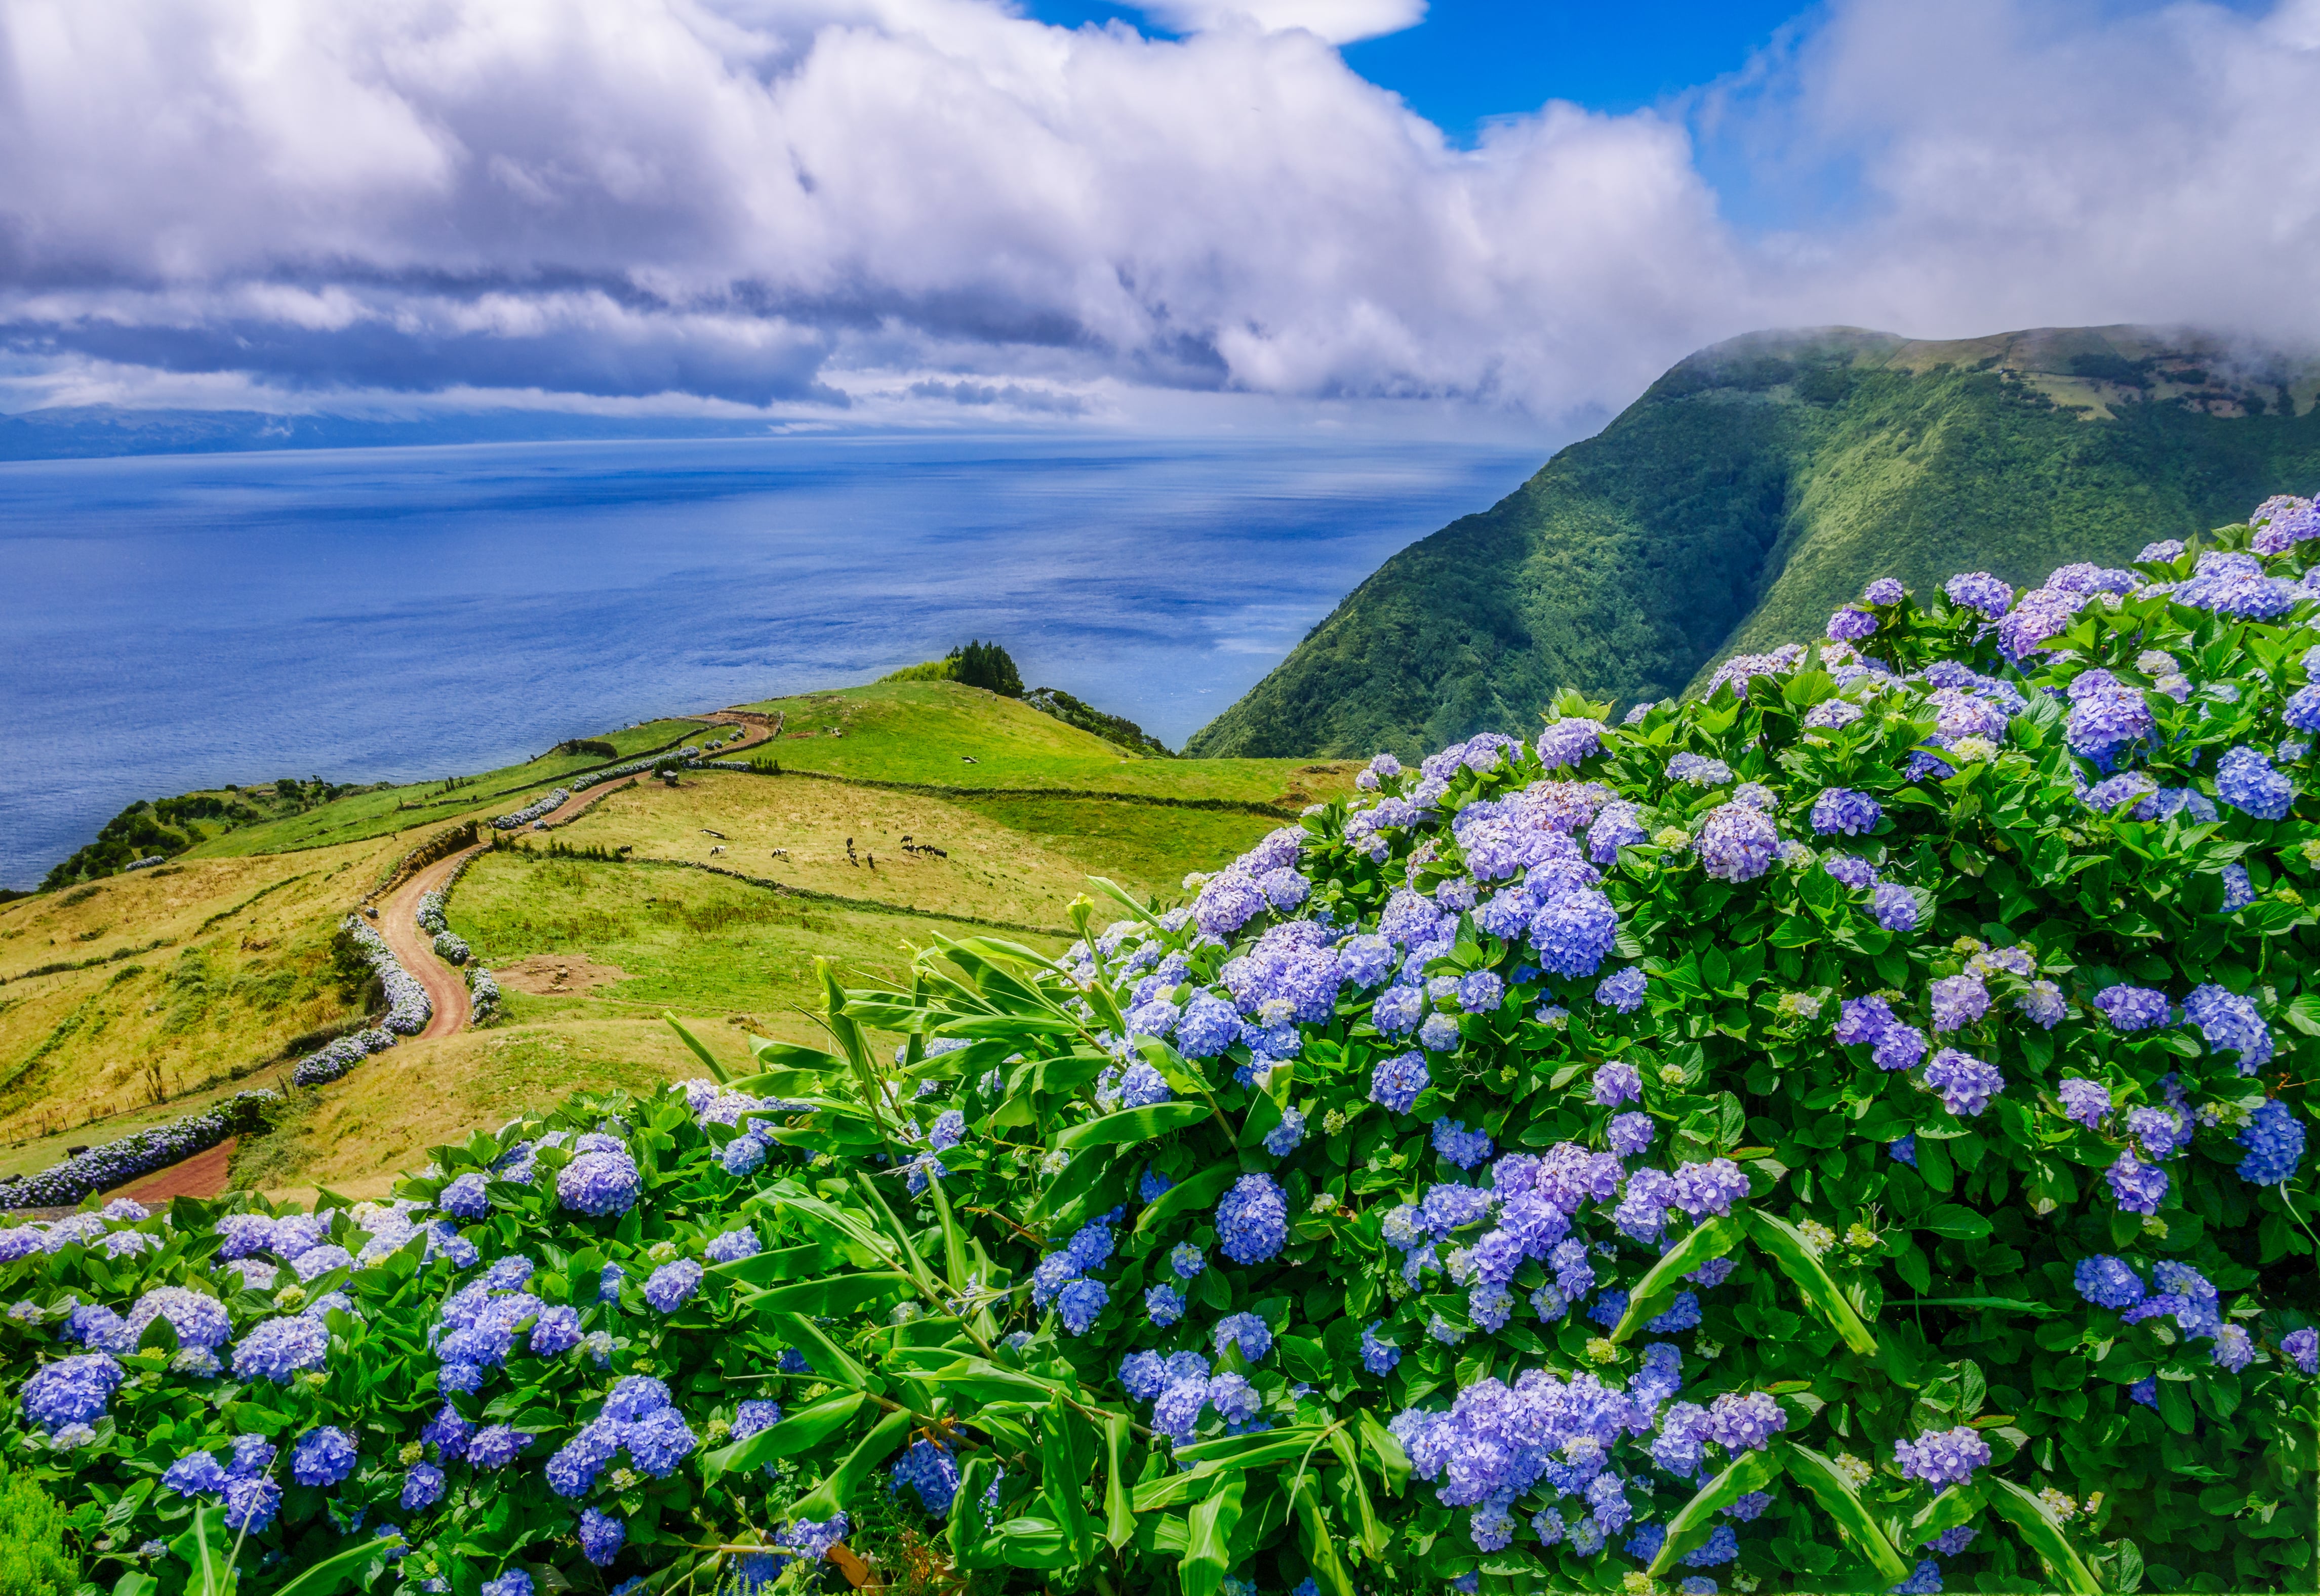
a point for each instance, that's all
(136, 833)
(1112, 728)
(35, 1558)
(596, 746)
(985, 666)
(1753, 489)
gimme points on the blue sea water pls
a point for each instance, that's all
(174, 622)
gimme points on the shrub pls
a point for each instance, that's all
(35, 1556)
(546, 805)
(130, 1158)
(1846, 1132)
(452, 947)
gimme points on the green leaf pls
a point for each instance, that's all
(1034, 1543)
(1953, 1507)
(1197, 1192)
(1372, 1531)
(834, 1492)
(1952, 1219)
(1175, 1490)
(1132, 1125)
(970, 1544)
(1066, 1451)
(1392, 1463)
(1247, 1451)
(830, 1360)
(1321, 1548)
(906, 1254)
(204, 1548)
(1934, 1166)
(805, 1427)
(1119, 1512)
(1819, 1475)
(1695, 1523)
(2175, 1407)
(760, 1269)
(819, 1215)
(708, 1059)
(1208, 1554)
(833, 1295)
(2043, 1532)
(338, 1571)
(1787, 1245)
(1657, 1288)
(955, 1263)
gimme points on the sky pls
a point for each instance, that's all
(1246, 214)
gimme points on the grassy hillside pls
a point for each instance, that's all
(1758, 486)
(161, 990)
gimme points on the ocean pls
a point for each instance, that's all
(181, 621)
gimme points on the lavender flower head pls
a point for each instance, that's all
(1943, 1459)
(1840, 809)
(2084, 1100)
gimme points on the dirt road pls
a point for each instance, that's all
(414, 949)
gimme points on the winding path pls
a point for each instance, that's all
(414, 950)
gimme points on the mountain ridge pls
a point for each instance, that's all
(1759, 483)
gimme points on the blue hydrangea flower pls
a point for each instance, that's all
(514, 1581)
(1251, 1334)
(1282, 1139)
(729, 1246)
(423, 1487)
(2084, 1100)
(1943, 1457)
(324, 1456)
(1629, 1133)
(1840, 809)
(2274, 1140)
(194, 1474)
(1396, 1082)
(466, 1197)
(1252, 1220)
(278, 1349)
(599, 1183)
(1622, 989)
(2132, 1008)
(672, 1286)
(2108, 1283)
(659, 1442)
(2245, 781)
(1163, 1305)
(251, 1503)
(1379, 1355)
(2229, 1024)
(927, 1468)
(602, 1536)
(2136, 1187)
(1895, 906)
(1079, 1303)
(1457, 1145)
(1965, 1082)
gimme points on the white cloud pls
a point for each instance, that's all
(816, 202)
(1340, 22)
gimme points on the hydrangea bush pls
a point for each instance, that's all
(118, 1162)
(547, 803)
(1845, 1133)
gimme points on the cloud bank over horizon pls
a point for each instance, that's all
(858, 206)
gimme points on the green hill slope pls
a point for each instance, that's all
(1759, 484)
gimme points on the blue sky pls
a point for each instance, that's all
(1472, 59)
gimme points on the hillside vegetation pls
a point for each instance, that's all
(1759, 484)
(879, 817)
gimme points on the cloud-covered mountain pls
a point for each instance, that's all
(818, 203)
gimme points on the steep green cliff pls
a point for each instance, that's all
(1759, 484)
